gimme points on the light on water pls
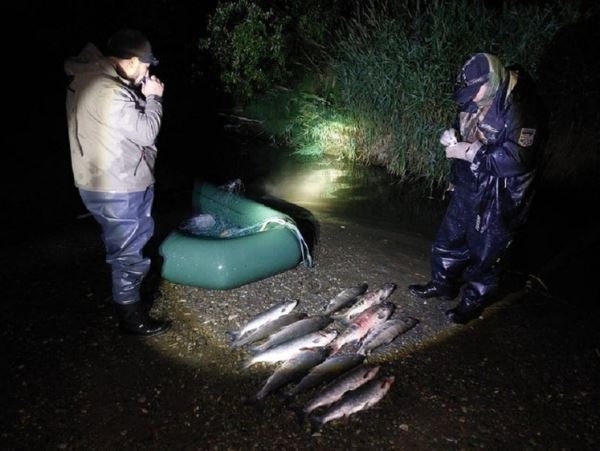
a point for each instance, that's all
(334, 188)
(308, 186)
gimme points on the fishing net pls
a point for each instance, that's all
(213, 226)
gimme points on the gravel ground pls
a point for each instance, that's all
(525, 376)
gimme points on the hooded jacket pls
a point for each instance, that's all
(500, 179)
(112, 127)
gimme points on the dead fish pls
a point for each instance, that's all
(283, 308)
(354, 401)
(294, 330)
(292, 348)
(324, 372)
(291, 370)
(338, 387)
(385, 333)
(363, 323)
(345, 298)
(268, 329)
(368, 300)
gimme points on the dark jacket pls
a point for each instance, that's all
(500, 180)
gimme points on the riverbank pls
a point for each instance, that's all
(523, 377)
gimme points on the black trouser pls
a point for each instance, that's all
(462, 254)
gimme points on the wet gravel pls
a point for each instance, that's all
(525, 376)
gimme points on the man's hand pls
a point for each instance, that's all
(153, 87)
(463, 150)
(448, 138)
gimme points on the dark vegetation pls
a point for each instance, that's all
(371, 81)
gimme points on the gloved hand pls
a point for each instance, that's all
(448, 138)
(463, 150)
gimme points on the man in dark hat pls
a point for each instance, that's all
(114, 112)
(494, 148)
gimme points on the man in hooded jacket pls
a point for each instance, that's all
(114, 112)
(494, 148)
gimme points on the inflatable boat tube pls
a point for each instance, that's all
(222, 263)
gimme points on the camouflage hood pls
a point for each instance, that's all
(482, 69)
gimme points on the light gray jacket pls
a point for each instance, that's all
(112, 127)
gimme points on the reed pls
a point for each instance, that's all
(384, 95)
(395, 65)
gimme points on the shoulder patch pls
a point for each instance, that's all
(526, 137)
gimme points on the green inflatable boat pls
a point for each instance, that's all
(261, 242)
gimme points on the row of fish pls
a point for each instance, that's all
(310, 353)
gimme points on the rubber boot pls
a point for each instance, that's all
(433, 290)
(466, 310)
(134, 320)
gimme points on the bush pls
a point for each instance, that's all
(395, 67)
(248, 43)
(258, 46)
(380, 89)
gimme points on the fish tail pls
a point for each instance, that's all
(256, 349)
(299, 412)
(236, 344)
(259, 396)
(247, 364)
(316, 423)
(233, 335)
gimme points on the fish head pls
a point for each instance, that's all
(288, 306)
(369, 297)
(386, 382)
(385, 310)
(325, 337)
(371, 372)
(386, 290)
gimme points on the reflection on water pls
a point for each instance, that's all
(315, 186)
(344, 191)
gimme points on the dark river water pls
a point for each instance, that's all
(335, 189)
(355, 192)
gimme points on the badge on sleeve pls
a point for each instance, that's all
(526, 137)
